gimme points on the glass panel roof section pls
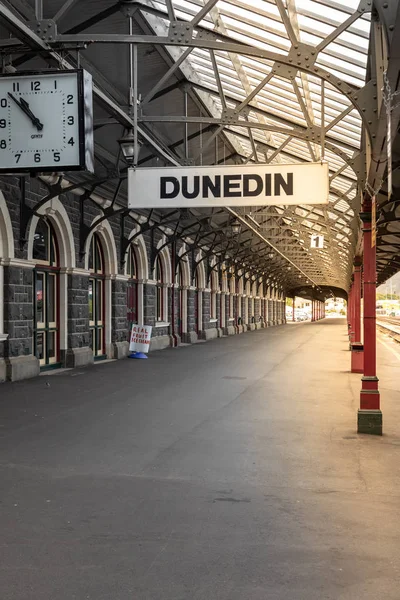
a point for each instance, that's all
(283, 101)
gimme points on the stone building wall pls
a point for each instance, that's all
(72, 220)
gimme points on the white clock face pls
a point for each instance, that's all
(39, 121)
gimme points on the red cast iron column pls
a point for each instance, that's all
(357, 348)
(351, 312)
(294, 309)
(369, 415)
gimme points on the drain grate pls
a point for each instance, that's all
(233, 377)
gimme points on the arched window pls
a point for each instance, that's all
(179, 275)
(96, 297)
(46, 303)
(44, 249)
(159, 277)
(132, 290)
(96, 261)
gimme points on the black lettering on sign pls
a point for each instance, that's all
(268, 184)
(252, 185)
(212, 186)
(196, 187)
(164, 187)
(287, 186)
(231, 183)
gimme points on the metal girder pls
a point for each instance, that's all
(114, 108)
(230, 47)
(216, 43)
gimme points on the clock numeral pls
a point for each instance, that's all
(71, 141)
(3, 144)
(3, 123)
(36, 157)
(70, 99)
(35, 86)
(3, 103)
(16, 86)
(55, 84)
(71, 120)
(56, 157)
(18, 156)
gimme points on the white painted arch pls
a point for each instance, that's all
(141, 255)
(6, 231)
(106, 237)
(55, 213)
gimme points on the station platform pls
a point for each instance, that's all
(228, 470)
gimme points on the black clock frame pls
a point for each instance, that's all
(86, 146)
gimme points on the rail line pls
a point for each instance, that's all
(390, 326)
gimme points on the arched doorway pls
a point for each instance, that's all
(46, 338)
(96, 298)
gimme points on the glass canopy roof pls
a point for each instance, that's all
(272, 81)
(285, 106)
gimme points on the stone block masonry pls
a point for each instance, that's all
(92, 296)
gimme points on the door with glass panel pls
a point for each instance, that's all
(96, 298)
(46, 330)
(46, 301)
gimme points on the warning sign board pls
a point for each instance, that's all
(140, 338)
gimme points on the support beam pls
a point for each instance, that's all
(369, 414)
(357, 348)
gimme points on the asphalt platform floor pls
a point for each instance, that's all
(227, 470)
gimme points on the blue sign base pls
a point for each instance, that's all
(137, 355)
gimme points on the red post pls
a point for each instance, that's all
(351, 315)
(357, 349)
(369, 415)
(312, 310)
(294, 309)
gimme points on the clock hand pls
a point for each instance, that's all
(35, 120)
(24, 106)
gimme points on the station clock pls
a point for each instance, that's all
(46, 121)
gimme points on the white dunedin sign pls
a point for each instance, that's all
(228, 185)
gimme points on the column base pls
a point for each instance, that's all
(119, 350)
(369, 421)
(209, 334)
(77, 357)
(3, 370)
(229, 330)
(22, 367)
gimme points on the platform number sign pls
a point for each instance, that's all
(317, 241)
(46, 121)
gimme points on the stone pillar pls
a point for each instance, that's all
(20, 363)
(369, 419)
(149, 304)
(245, 313)
(78, 353)
(119, 324)
(206, 309)
(191, 335)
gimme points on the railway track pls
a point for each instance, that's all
(390, 326)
